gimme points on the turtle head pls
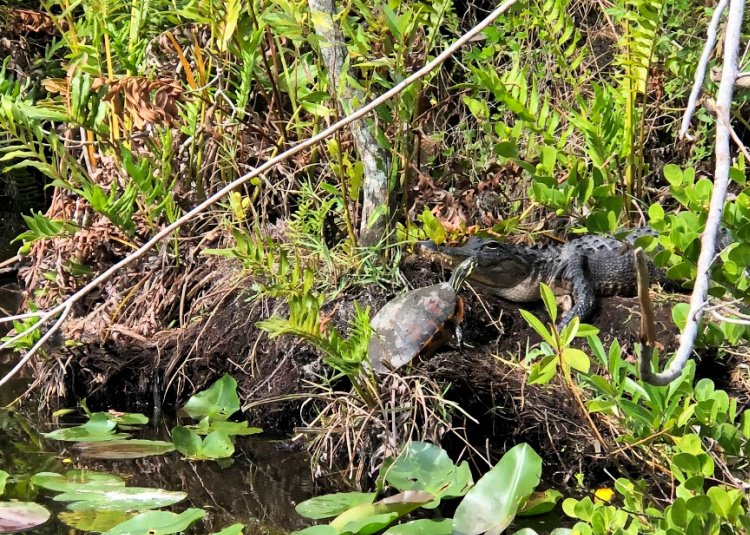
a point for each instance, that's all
(461, 272)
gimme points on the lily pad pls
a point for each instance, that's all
(158, 522)
(127, 418)
(426, 467)
(423, 526)
(491, 505)
(74, 480)
(218, 402)
(332, 504)
(20, 516)
(234, 529)
(94, 520)
(99, 428)
(204, 427)
(372, 517)
(120, 499)
(124, 449)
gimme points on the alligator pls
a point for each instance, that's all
(583, 268)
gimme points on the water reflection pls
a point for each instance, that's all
(259, 487)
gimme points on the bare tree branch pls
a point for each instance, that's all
(700, 71)
(721, 182)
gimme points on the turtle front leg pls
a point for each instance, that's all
(574, 278)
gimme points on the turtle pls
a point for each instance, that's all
(418, 321)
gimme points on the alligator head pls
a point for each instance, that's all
(498, 265)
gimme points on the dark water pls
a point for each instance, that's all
(258, 487)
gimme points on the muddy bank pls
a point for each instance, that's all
(129, 371)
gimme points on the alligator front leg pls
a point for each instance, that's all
(582, 290)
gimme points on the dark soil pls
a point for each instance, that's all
(128, 372)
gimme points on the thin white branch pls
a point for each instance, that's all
(299, 147)
(28, 330)
(700, 72)
(23, 316)
(31, 352)
(721, 182)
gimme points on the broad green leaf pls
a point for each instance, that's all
(158, 523)
(120, 498)
(74, 480)
(423, 526)
(124, 449)
(540, 503)
(381, 513)
(228, 428)
(490, 506)
(537, 325)
(186, 442)
(3, 479)
(426, 467)
(548, 296)
(234, 529)
(94, 520)
(332, 504)
(543, 371)
(576, 359)
(97, 429)
(218, 402)
(679, 314)
(317, 530)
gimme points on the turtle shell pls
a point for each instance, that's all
(418, 321)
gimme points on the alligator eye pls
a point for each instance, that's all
(491, 245)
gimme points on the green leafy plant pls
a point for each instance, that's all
(424, 475)
(212, 407)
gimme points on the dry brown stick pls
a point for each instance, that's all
(166, 231)
(648, 325)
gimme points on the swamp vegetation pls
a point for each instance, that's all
(201, 235)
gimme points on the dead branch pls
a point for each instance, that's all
(648, 324)
(721, 182)
(700, 71)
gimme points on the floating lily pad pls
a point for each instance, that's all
(74, 480)
(98, 428)
(424, 466)
(218, 402)
(234, 529)
(332, 504)
(124, 449)
(20, 516)
(161, 522)
(423, 526)
(93, 520)
(204, 427)
(127, 418)
(120, 499)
